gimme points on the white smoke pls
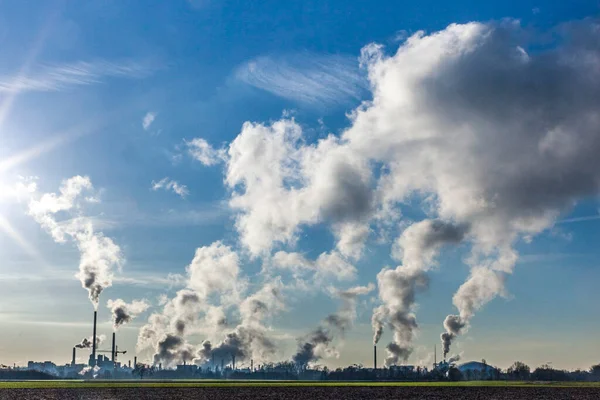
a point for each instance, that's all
(318, 343)
(494, 142)
(214, 290)
(123, 313)
(62, 217)
(491, 142)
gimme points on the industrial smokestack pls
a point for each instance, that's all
(94, 340)
(375, 357)
(251, 365)
(135, 362)
(73, 360)
(113, 348)
(233, 362)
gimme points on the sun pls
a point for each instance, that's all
(9, 194)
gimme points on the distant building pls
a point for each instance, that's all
(477, 370)
(405, 369)
(187, 369)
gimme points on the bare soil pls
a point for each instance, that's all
(267, 393)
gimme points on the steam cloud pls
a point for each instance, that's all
(313, 347)
(123, 313)
(376, 321)
(250, 338)
(214, 272)
(454, 326)
(317, 343)
(173, 349)
(86, 343)
(495, 143)
(99, 254)
(416, 247)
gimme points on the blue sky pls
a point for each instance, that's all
(116, 91)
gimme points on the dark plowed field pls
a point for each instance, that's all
(371, 393)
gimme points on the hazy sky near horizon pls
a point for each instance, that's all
(282, 162)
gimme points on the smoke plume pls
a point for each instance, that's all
(86, 343)
(377, 323)
(417, 248)
(172, 350)
(123, 313)
(317, 343)
(204, 354)
(250, 338)
(454, 326)
(313, 347)
(492, 142)
(99, 254)
(454, 359)
(344, 317)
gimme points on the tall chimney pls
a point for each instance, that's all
(113, 348)
(129, 363)
(251, 365)
(233, 362)
(73, 361)
(135, 362)
(94, 340)
(375, 357)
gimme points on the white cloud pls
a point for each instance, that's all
(169, 184)
(215, 269)
(327, 266)
(493, 143)
(279, 184)
(61, 76)
(200, 150)
(306, 78)
(148, 120)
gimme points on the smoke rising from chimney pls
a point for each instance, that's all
(317, 343)
(172, 350)
(377, 323)
(86, 343)
(99, 254)
(417, 247)
(454, 326)
(313, 347)
(122, 312)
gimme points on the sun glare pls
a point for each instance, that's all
(11, 193)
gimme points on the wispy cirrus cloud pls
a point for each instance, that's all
(306, 78)
(174, 186)
(146, 279)
(56, 77)
(579, 219)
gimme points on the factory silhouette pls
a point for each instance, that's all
(101, 366)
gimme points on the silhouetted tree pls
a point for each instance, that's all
(454, 374)
(546, 373)
(595, 371)
(519, 371)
